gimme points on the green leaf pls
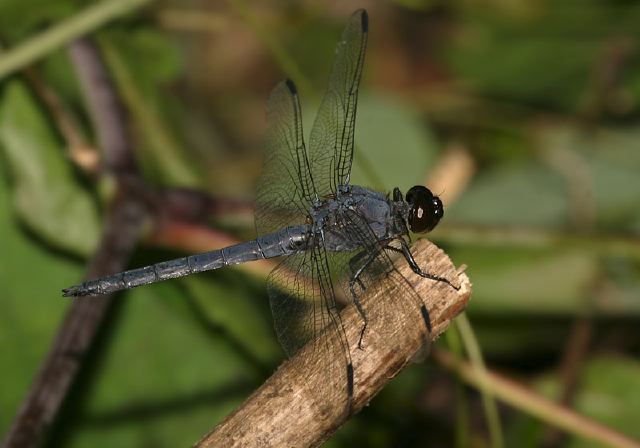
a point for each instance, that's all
(511, 196)
(15, 23)
(545, 55)
(393, 142)
(503, 280)
(154, 58)
(31, 307)
(46, 196)
(142, 63)
(175, 367)
(610, 393)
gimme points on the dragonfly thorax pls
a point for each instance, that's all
(355, 215)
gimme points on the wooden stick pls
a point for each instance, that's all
(301, 406)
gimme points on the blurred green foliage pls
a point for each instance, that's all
(47, 198)
(519, 84)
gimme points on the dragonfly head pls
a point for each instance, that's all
(425, 211)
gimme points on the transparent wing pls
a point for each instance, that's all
(285, 190)
(303, 303)
(372, 272)
(332, 135)
(302, 298)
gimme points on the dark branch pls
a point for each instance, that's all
(105, 107)
(123, 224)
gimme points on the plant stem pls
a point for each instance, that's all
(532, 403)
(462, 407)
(488, 400)
(64, 32)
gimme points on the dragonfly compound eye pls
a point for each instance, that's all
(426, 209)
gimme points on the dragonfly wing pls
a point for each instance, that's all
(332, 135)
(305, 311)
(302, 297)
(285, 189)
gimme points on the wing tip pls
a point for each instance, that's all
(364, 17)
(291, 86)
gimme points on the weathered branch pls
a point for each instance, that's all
(298, 406)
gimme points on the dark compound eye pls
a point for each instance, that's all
(426, 209)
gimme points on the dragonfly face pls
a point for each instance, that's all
(426, 209)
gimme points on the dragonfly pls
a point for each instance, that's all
(335, 240)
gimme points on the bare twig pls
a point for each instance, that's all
(195, 206)
(534, 404)
(79, 150)
(104, 105)
(122, 227)
(299, 407)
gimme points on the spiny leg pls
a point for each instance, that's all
(349, 388)
(356, 278)
(353, 266)
(406, 252)
(414, 265)
(423, 309)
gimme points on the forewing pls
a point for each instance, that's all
(285, 190)
(332, 135)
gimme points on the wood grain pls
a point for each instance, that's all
(299, 407)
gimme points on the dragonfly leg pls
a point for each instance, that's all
(355, 278)
(353, 266)
(349, 388)
(423, 309)
(414, 265)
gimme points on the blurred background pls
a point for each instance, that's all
(524, 115)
